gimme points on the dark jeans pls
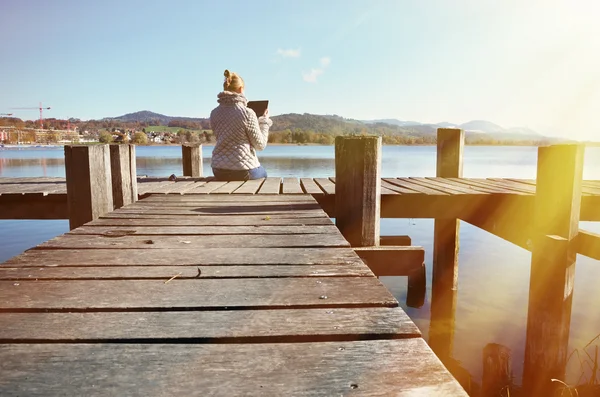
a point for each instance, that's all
(239, 175)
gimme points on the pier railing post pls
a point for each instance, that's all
(358, 188)
(555, 226)
(191, 155)
(450, 146)
(89, 184)
(123, 171)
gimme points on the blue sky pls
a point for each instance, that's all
(516, 63)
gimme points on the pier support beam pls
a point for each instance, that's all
(124, 175)
(191, 155)
(450, 145)
(89, 184)
(358, 188)
(555, 227)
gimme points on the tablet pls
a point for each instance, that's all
(259, 107)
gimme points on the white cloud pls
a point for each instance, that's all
(314, 73)
(312, 76)
(290, 53)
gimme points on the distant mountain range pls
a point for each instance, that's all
(337, 125)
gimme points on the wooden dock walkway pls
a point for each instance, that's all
(207, 295)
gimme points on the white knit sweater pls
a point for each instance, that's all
(239, 133)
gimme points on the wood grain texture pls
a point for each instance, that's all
(228, 188)
(187, 256)
(239, 326)
(236, 198)
(310, 187)
(250, 187)
(291, 186)
(184, 242)
(358, 189)
(183, 272)
(392, 261)
(385, 367)
(121, 176)
(271, 185)
(215, 220)
(191, 159)
(33, 206)
(263, 228)
(257, 293)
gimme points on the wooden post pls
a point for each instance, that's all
(123, 171)
(358, 188)
(555, 227)
(417, 287)
(89, 185)
(497, 370)
(191, 155)
(450, 145)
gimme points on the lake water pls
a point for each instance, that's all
(493, 275)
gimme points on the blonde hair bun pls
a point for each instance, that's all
(232, 81)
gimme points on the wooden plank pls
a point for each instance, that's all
(216, 203)
(408, 184)
(394, 188)
(116, 231)
(271, 185)
(326, 185)
(374, 367)
(44, 188)
(462, 183)
(506, 185)
(588, 244)
(310, 187)
(552, 276)
(228, 188)
(33, 206)
(213, 220)
(190, 256)
(395, 240)
(89, 184)
(42, 179)
(268, 216)
(177, 187)
(387, 191)
(358, 188)
(206, 188)
(196, 294)
(250, 187)
(73, 241)
(191, 159)
(274, 210)
(439, 183)
(392, 261)
(291, 186)
(145, 187)
(299, 325)
(182, 272)
(235, 198)
(495, 187)
(124, 182)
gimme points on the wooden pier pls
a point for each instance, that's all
(209, 277)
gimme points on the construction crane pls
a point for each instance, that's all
(41, 109)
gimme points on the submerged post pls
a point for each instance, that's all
(89, 185)
(123, 171)
(450, 146)
(358, 188)
(555, 225)
(191, 155)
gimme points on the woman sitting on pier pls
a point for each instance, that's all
(239, 133)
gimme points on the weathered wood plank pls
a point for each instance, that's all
(44, 188)
(271, 185)
(190, 256)
(228, 188)
(41, 179)
(358, 188)
(177, 187)
(124, 181)
(268, 216)
(460, 185)
(235, 198)
(326, 185)
(191, 159)
(506, 185)
(408, 184)
(397, 189)
(588, 244)
(291, 186)
(116, 231)
(205, 188)
(495, 187)
(250, 187)
(144, 187)
(437, 184)
(207, 211)
(258, 293)
(73, 241)
(182, 272)
(377, 367)
(298, 325)
(213, 220)
(33, 206)
(216, 203)
(392, 261)
(310, 187)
